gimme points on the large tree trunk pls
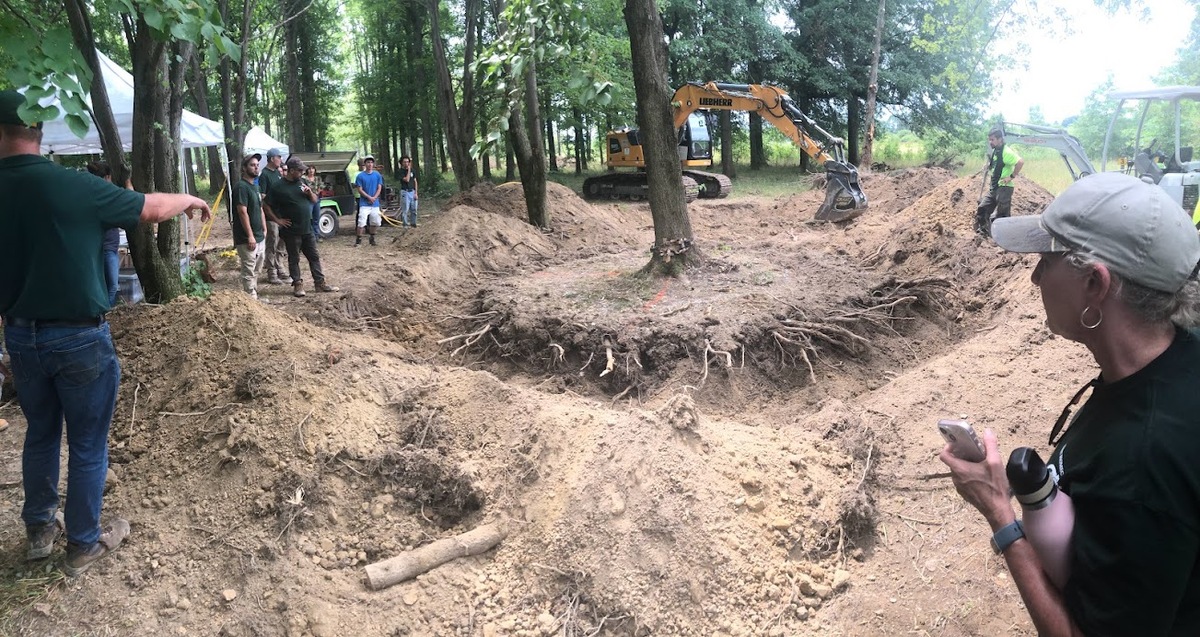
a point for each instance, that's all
(294, 117)
(487, 155)
(106, 125)
(580, 142)
(510, 169)
(233, 93)
(199, 87)
(526, 137)
(158, 74)
(727, 145)
(458, 121)
(551, 145)
(758, 156)
(672, 228)
(872, 90)
(853, 122)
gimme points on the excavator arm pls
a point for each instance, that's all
(844, 197)
(1048, 137)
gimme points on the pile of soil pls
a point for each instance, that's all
(738, 452)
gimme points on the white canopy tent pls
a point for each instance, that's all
(57, 137)
(258, 141)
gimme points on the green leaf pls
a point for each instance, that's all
(38, 92)
(73, 103)
(180, 31)
(78, 124)
(153, 18)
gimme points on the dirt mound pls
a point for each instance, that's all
(953, 203)
(263, 461)
(887, 192)
(579, 228)
(480, 236)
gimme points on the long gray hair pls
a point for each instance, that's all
(1181, 308)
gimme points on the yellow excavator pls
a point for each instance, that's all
(844, 197)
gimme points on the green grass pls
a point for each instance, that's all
(21, 589)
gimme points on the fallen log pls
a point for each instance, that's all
(412, 563)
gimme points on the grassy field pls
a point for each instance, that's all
(1043, 166)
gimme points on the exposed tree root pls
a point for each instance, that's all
(638, 359)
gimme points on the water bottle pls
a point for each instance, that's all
(1048, 513)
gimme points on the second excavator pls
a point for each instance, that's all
(844, 197)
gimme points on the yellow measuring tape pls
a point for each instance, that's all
(207, 228)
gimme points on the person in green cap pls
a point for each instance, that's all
(53, 299)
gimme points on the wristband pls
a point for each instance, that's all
(1005, 537)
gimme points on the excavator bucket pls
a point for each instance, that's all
(844, 197)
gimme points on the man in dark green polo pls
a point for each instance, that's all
(271, 174)
(289, 204)
(53, 299)
(249, 225)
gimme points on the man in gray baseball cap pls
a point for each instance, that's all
(1118, 557)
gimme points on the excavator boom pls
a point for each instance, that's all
(844, 197)
(1049, 137)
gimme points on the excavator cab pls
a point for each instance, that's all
(695, 142)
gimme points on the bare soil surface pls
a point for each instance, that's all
(748, 450)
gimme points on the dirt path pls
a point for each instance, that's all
(748, 451)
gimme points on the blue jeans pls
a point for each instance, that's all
(69, 372)
(408, 214)
(112, 270)
(316, 220)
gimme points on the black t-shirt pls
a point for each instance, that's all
(1131, 463)
(289, 202)
(246, 194)
(411, 182)
(53, 222)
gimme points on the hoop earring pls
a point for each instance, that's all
(1099, 318)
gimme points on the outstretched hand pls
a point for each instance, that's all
(205, 211)
(983, 484)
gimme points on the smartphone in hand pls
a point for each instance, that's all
(964, 444)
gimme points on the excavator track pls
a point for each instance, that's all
(712, 185)
(630, 187)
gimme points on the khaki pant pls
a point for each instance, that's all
(251, 263)
(276, 252)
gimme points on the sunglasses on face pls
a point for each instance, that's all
(1057, 432)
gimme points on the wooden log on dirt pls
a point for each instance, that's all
(410, 564)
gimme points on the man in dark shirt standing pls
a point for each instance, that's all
(248, 223)
(53, 300)
(269, 177)
(289, 204)
(408, 190)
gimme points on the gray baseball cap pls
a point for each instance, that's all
(274, 152)
(1131, 226)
